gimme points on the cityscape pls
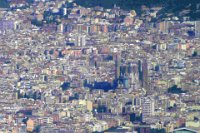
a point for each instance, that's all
(99, 66)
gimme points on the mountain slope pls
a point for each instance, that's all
(124, 4)
(178, 8)
(4, 4)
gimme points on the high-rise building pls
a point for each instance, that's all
(105, 28)
(117, 66)
(79, 28)
(164, 27)
(137, 101)
(148, 107)
(89, 105)
(133, 75)
(124, 76)
(30, 125)
(64, 11)
(16, 25)
(60, 28)
(80, 40)
(197, 29)
(140, 70)
(145, 82)
(117, 59)
(143, 73)
(88, 29)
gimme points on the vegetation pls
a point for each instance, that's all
(102, 109)
(175, 7)
(135, 118)
(33, 95)
(36, 22)
(158, 131)
(195, 54)
(174, 89)
(30, 1)
(75, 97)
(65, 86)
(37, 129)
(124, 4)
(106, 86)
(4, 4)
(169, 6)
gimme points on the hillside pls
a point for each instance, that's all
(179, 8)
(124, 4)
(4, 4)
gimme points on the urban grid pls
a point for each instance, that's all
(70, 66)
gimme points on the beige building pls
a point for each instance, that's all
(30, 125)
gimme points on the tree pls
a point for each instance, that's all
(36, 22)
(194, 54)
(37, 129)
(4, 4)
(25, 120)
(176, 90)
(65, 86)
(158, 131)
